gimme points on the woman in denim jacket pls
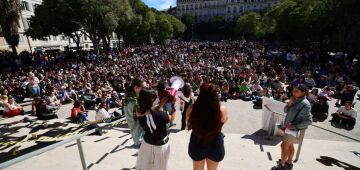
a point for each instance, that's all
(298, 117)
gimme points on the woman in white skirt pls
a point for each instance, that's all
(154, 150)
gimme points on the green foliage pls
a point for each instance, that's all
(304, 21)
(248, 23)
(9, 21)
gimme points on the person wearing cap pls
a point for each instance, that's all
(345, 116)
(297, 118)
(11, 108)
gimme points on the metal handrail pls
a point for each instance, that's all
(267, 107)
(55, 145)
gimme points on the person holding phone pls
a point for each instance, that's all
(298, 117)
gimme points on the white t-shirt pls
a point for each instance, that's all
(352, 112)
(102, 114)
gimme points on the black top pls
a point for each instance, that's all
(161, 119)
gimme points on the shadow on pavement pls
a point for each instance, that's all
(260, 137)
(328, 161)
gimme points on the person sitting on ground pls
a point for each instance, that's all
(69, 95)
(78, 112)
(11, 108)
(347, 94)
(327, 92)
(310, 81)
(102, 114)
(43, 112)
(245, 91)
(4, 95)
(312, 96)
(257, 90)
(115, 100)
(224, 91)
(53, 101)
(89, 99)
(345, 116)
(320, 109)
(279, 96)
(234, 92)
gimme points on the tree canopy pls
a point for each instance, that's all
(98, 19)
(9, 22)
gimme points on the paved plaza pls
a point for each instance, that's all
(247, 147)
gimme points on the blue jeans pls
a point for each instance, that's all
(35, 90)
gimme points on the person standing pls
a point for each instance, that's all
(34, 84)
(154, 151)
(205, 118)
(187, 99)
(298, 117)
(130, 105)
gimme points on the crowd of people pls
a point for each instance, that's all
(234, 70)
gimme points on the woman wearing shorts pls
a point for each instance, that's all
(205, 118)
(298, 117)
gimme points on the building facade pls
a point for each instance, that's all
(229, 9)
(59, 42)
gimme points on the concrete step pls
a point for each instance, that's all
(112, 151)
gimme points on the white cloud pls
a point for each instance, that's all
(164, 4)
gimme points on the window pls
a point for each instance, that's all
(21, 38)
(24, 5)
(229, 9)
(35, 6)
(63, 38)
(86, 45)
(26, 23)
(234, 9)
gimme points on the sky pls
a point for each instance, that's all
(160, 4)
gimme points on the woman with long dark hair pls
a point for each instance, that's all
(154, 150)
(205, 118)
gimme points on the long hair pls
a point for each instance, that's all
(135, 82)
(205, 118)
(146, 99)
(187, 90)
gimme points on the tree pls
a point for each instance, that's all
(248, 23)
(164, 27)
(101, 18)
(178, 27)
(56, 17)
(189, 21)
(9, 22)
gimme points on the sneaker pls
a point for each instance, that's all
(278, 167)
(172, 124)
(289, 166)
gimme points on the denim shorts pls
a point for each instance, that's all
(214, 150)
